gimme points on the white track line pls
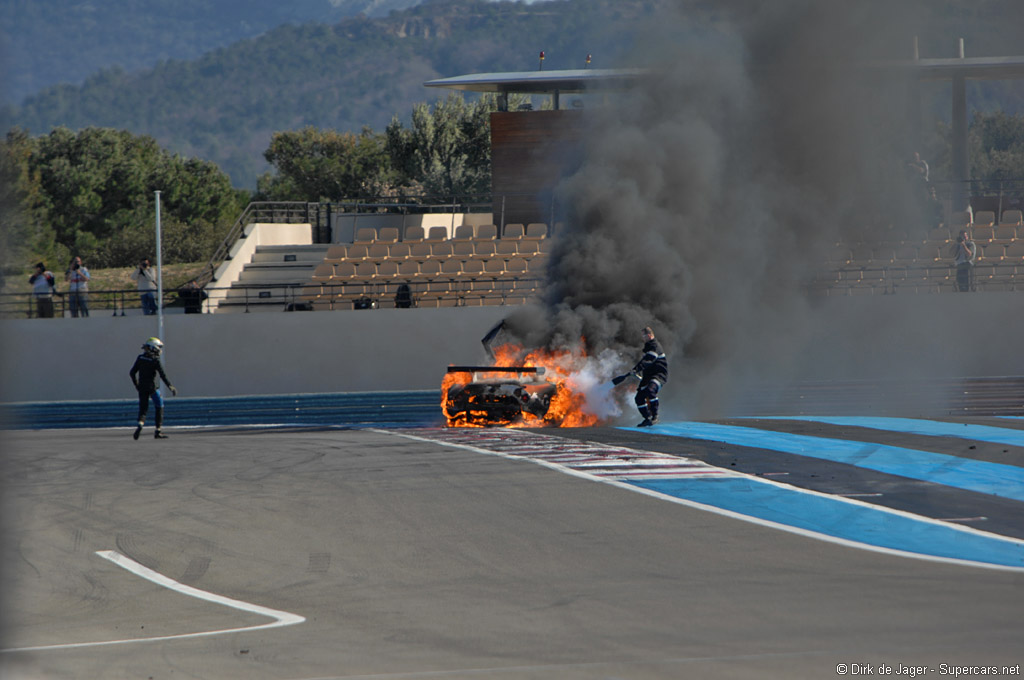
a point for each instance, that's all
(280, 618)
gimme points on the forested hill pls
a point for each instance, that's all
(224, 105)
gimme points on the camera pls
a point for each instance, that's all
(960, 239)
(75, 266)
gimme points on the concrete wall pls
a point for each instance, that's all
(401, 349)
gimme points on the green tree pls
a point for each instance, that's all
(91, 193)
(323, 165)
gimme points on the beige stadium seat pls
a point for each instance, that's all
(388, 235)
(938, 234)
(442, 249)
(344, 270)
(451, 268)
(357, 252)
(419, 251)
(408, 269)
(984, 218)
(414, 233)
(528, 249)
(485, 232)
(840, 255)
(463, 250)
(535, 231)
(399, 251)
(365, 271)
(494, 267)
(958, 220)
(517, 267)
(323, 272)
(387, 269)
(905, 255)
(1006, 233)
(430, 269)
(366, 235)
(377, 252)
(513, 231)
(463, 232)
(484, 249)
(1012, 218)
(336, 253)
(546, 246)
(1014, 253)
(983, 233)
(506, 249)
(437, 234)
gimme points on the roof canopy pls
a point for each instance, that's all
(542, 82)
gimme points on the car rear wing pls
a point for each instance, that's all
(539, 370)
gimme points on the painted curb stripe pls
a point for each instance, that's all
(1006, 481)
(934, 428)
(821, 514)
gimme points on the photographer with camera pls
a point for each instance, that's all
(145, 276)
(77, 277)
(964, 252)
(43, 289)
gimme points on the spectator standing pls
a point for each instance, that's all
(964, 252)
(192, 296)
(917, 168)
(43, 289)
(77, 277)
(145, 277)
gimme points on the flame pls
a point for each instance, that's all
(562, 367)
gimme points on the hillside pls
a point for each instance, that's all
(224, 105)
(82, 38)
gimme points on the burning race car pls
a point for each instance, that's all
(509, 400)
(514, 391)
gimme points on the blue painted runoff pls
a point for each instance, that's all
(1006, 481)
(841, 519)
(935, 428)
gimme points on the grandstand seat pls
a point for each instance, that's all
(984, 218)
(357, 252)
(419, 251)
(1006, 233)
(408, 269)
(388, 235)
(840, 255)
(545, 246)
(336, 253)
(430, 268)
(517, 267)
(471, 268)
(513, 231)
(437, 234)
(387, 269)
(365, 271)
(983, 233)
(905, 255)
(485, 232)
(506, 249)
(528, 249)
(463, 233)
(414, 233)
(484, 249)
(862, 255)
(377, 252)
(536, 231)
(365, 235)
(451, 268)
(441, 249)
(494, 267)
(938, 234)
(1012, 218)
(323, 272)
(1014, 253)
(344, 270)
(463, 250)
(399, 251)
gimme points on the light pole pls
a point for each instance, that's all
(159, 275)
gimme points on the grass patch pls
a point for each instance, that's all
(115, 278)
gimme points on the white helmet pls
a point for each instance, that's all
(153, 347)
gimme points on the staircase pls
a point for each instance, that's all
(275, 279)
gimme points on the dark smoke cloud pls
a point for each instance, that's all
(712, 191)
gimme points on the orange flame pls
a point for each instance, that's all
(568, 404)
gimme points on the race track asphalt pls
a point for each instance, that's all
(301, 553)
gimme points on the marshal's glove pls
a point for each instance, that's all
(619, 378)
